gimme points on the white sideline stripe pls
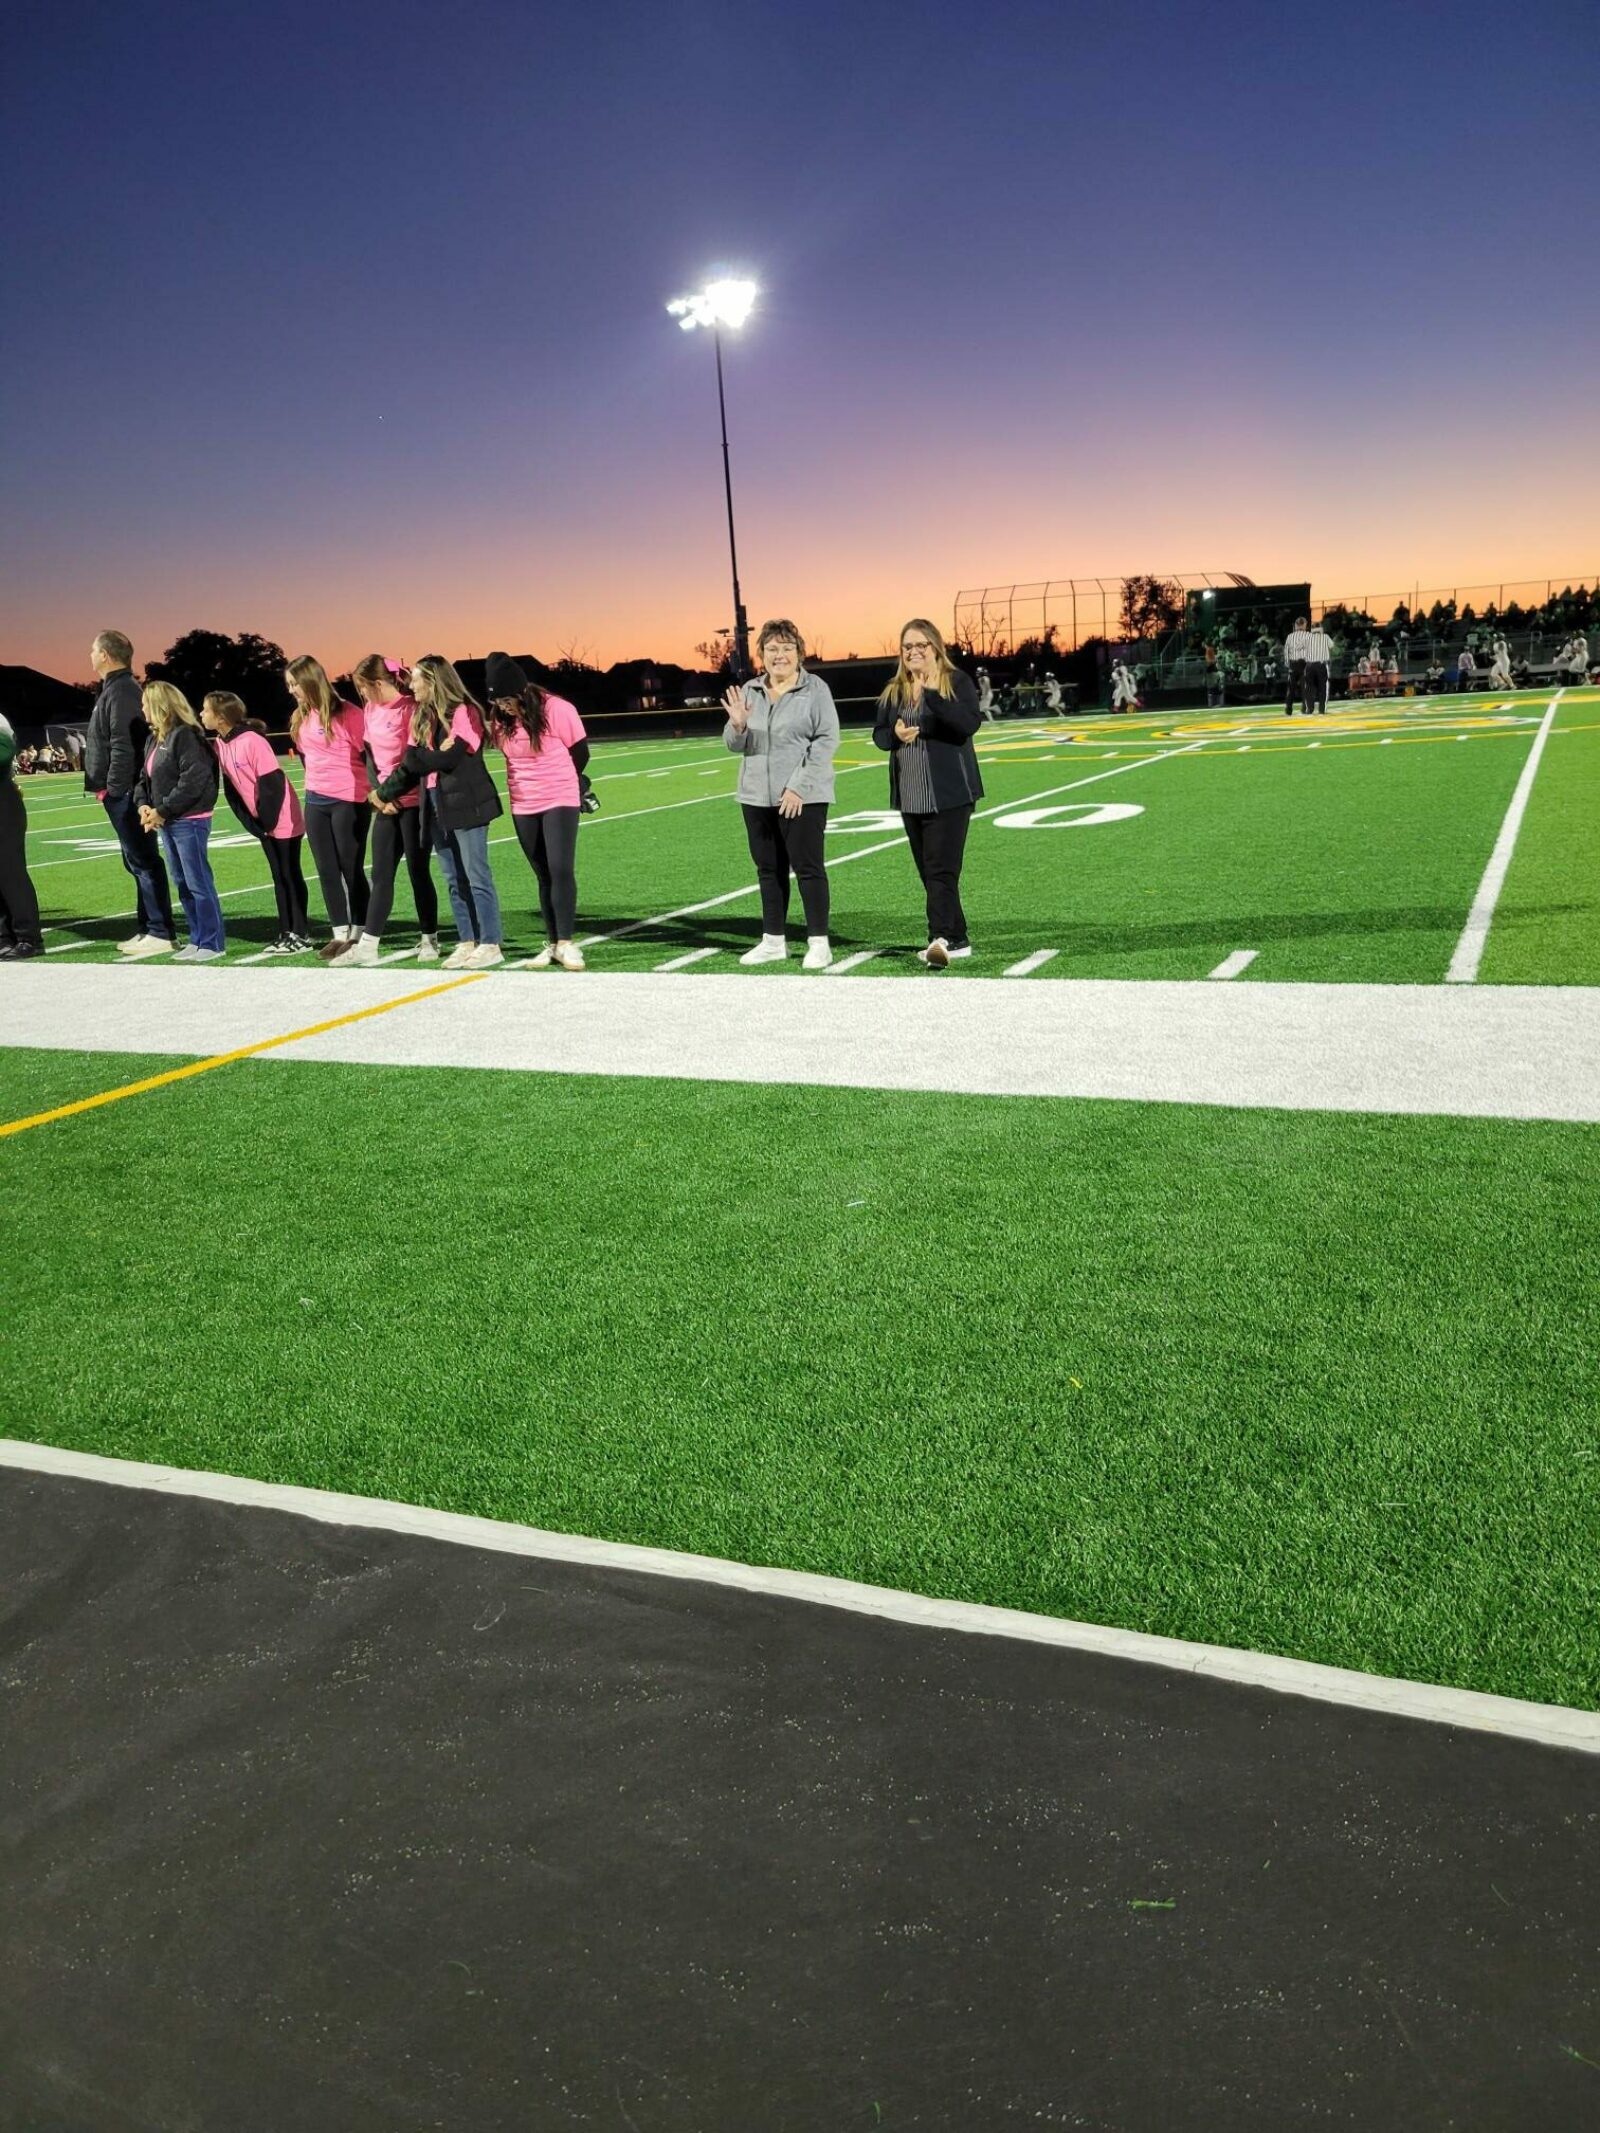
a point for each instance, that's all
(1552, 1725)
(866, 851)
(1475, 934)
(853, 962)
(682, 962)
(1230, 966)
(1029, 963)
(71, 947)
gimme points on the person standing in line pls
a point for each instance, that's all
(547, 752)
(112, 747)
(330, 739)
(1309, 655)
(266, 803)
(459, 802)
(21, 936)
(1500, 665)
(176, 795)
(388, 709)
(784, 728)
(926, 719)
(1124, 688)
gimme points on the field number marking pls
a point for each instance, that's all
(1080, 814)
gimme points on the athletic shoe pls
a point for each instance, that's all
(8, 951)
(208, 955)
(544, 958)
(132, 947)
(958, 949)
(428, 948)
(935, 956)
(771, 948)
(190, 954)
(340, 945)
(298, 944)
(461, 955)
(281, 946)
(360, 955)
(486, 955)
(570, 958)
(25, 951)
(819, 953)
(140, 951)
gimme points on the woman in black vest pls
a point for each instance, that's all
(926, 719)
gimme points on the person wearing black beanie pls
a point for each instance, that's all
(504, 678)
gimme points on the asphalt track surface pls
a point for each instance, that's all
(335, 1830)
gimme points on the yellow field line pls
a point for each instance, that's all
(222, 1059)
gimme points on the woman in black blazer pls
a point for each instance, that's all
(926, 719)
(459, 802)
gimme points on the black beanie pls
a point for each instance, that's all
(502, 676)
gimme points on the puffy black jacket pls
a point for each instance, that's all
(182, 778)
(114, 744)
(465, 796)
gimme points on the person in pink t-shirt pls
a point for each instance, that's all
(388, 709)
(546, 749)
(269, 807)
(330, 737)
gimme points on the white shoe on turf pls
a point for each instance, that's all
(570, 958)
(819, 953)
(771, 948)
(545, 957)
(936, 955)
(152, 944)
(428, 948)
(188, 954)
(209, 955)
(362, 956)
(132, 947)
(461, 955)
(957, 949)
(486, 955)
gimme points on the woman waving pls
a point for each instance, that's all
(784, 728)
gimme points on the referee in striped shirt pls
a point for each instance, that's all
(1307, 653)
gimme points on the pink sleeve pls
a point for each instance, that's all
(571, 727)
(259, 753)
(464, 728)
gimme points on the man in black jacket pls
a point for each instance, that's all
(112, 764)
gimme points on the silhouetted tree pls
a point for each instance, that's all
(248, 665)
(1150, 605)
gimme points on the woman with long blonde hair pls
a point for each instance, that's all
(926, 719)
(330, 738)
(176, 795)
(388, 709)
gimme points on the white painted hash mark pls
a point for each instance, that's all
(853, 962)
(1475, 934)
(682, 962)
(1230, 966)
(1029, 963)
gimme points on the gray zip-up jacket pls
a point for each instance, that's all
(787, 744)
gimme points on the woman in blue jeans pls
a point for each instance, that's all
(176, 795)
(459, 800)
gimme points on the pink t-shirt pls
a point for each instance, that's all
(246, 758)
(543, 777)
(389, 736)
(335, 769)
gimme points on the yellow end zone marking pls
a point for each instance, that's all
(221, 1059)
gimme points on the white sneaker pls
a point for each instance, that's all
(819, 953)
(545, 957)
(209, 955)
(428, 948)
(190, 954)
(568, 957)
(959, 949)
(132, 947)
(771, 948)
(461, 955)
(486, 955)
(362, 956)
(936, 955)
(140, 951)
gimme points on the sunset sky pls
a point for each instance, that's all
(344, 322)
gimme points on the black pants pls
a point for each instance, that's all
(781, 848)
(392, 835)
(1294, 688)
(1316, 685)
(141, 855)
(19, 906)
(550, 845)
(288, 882)
(937, 845)
(336, 830)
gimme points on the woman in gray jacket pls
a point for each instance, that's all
(784, 729)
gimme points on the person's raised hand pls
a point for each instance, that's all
(734, 704)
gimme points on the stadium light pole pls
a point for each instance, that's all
(719, 304)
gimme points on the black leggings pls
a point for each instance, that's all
(392, 835)
(550, 845)
(938, 843)
(337, 833)
(781, 846)
(288, 882)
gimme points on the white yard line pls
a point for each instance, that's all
(1230, 966)
(682, 962)
(1030, 963)
(1553, 1725)
(1475, 934)
(852, 962)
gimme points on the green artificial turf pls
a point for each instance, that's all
(1352, 860)
(1314, 1384)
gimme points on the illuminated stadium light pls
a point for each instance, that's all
(719, 303)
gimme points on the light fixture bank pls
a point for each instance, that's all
(719, 303)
